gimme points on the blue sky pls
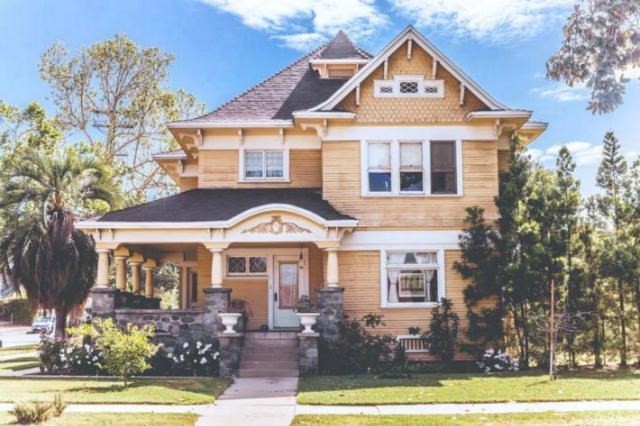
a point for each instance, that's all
(223, 47)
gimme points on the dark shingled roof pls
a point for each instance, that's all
(296, 87)
(206, 205)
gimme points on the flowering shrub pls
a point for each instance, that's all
(50, 352)
(80, 353)
(497, 360)
(197, 358)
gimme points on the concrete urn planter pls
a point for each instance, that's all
(308, 319)
(229, 320)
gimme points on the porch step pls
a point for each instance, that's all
(268, 372)
(269, 354)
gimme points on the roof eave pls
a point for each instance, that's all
(232, 124)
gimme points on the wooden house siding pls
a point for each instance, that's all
(403, 110)
(219, 169)
(341, 187)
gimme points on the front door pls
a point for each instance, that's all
(286, 289)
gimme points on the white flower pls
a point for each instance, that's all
(169, 355)
(186, 345)
(206, 348)
(203, 361)
(181, 357)
(94, 359)
(216, 355)
(198, 344)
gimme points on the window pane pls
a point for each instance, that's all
(258, 265)
(411, 181)
(379, 155)
(274, 161)
(253, 164)
(380, 182)
(412, 284)
(443, 168)
(288, 285)
(408, 87)
(236, 265)
(411, 155)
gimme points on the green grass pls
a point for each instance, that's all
(16, 350)
(445, 388)
(601, 418)
(103, 419)
(110, 391)
(21, 363)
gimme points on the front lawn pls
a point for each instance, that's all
(109, 391)
(21, 363)
(15, 350)
(444, 388)
(104, 419)
(600, 418)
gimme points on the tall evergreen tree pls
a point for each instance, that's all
(611, 178)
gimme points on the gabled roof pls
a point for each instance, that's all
(409, 33)
(294, 87)
(341, 47)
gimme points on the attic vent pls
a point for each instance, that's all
(408, 86)
(340, 72)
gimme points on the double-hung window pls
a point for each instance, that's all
(263, 164)
(411, 167)
(379, 166)
(443, 167)
(411, 277)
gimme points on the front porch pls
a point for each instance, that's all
(258, 262)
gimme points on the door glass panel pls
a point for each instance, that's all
(288, 285)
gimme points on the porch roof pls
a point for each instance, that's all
(212, 205)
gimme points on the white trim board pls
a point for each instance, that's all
(401, 239)
(337, 133)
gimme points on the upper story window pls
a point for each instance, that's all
(379, 170)
(408, 86)
(398, 167)
(443, 167)
(262, 164)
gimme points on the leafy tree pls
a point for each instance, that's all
(611, 177)
(443, 331)
(601, 43)
(125, 352)
(114, 93)
(41, 251)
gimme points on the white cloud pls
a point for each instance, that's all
(301, 24)
(583, 153)
(563, 93)
(498, 21)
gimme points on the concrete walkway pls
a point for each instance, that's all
(254, 401)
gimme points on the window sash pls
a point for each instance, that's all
(444, 173)
(254, 164)
(263, 164)
(379, 156)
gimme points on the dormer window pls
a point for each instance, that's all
(408, 86)
(264, 165)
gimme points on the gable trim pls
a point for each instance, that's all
(409, 34)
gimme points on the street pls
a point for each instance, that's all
(17, 336)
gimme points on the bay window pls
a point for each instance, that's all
(411, 277)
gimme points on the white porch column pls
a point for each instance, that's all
(333, 277)
(102, 277)
(217, 266)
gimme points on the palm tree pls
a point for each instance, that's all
(41, 251)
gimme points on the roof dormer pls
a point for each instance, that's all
(340, 58)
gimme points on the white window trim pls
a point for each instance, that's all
(248, 273)
(395, 169)
(395, 85)
(285, 166)
(384, 291)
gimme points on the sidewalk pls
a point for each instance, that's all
(479, 408)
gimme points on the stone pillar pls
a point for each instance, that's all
(103, 302)
(331, 310)
(308, 353)
(333, 276)
(121, 272)
(135, 277)
(216, 301)
(102, 277)
(230, 348)
(148, 282)
(217, 266)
